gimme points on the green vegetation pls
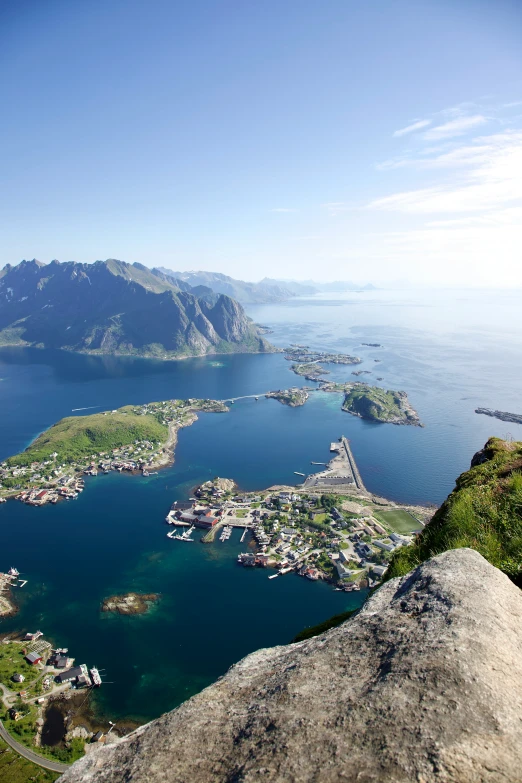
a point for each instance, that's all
(484, 512)
(376, 404)
(15, 769)
(399, 520)
(12, 661)
(24, 731)
(315, 630)
(310, 370)
(76, 438)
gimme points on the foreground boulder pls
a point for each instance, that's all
(424, 684)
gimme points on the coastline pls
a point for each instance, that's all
(8, 608)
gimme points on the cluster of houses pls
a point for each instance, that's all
(57, 664)
(54, 482)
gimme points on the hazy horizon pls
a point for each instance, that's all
(360, 142)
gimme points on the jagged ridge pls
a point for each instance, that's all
(114, 307)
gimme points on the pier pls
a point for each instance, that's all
(353, 465)
(341, 472)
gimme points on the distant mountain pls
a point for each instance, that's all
(111, 307)
(246, 293)
(266, 291)
(296, 287)
(304, 287)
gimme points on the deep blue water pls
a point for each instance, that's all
(451, 351)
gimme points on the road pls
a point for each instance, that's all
(30, 755)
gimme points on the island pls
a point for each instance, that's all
(514, 418)
(310, 370)
(376, 404)
(302, 354)
(293, 397)
(129, 603)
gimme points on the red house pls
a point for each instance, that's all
(33, 658)
(206, 521)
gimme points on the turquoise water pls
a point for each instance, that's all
(450, 351)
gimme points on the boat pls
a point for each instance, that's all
(274, 576)
(13, 572)
(95, 677)
(298, 474)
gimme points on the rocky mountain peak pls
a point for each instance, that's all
(424, 684)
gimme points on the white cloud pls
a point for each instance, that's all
(283, 209)
(453, 128)
(415, 126)
(490, 176)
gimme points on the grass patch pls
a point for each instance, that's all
(12, 661)
(15, 769)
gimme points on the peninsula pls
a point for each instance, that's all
(514, 418)
(135, 438)
(7, 607)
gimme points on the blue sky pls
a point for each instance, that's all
(335, 140)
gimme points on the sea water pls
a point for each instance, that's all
(451, 351)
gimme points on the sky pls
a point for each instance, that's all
(369, 141)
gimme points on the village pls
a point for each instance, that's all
(344, 539)
(34, 678)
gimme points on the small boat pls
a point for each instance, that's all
(298, 474)
(274, 576)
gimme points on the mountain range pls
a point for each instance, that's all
(112, 307)
(265, 291)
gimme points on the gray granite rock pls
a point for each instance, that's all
(424, 684)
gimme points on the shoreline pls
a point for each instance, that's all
(142, 356)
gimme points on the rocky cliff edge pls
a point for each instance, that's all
(424, 684)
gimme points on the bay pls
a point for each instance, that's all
(451, 351)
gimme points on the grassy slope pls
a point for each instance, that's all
(14, 769)
(78, 437)
(484, 512)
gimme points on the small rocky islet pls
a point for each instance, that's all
(129, 603)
